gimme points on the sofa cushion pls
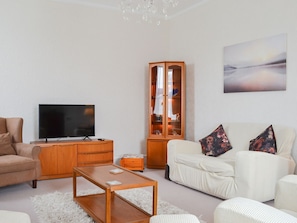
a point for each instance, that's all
(265, 142)
(216, 143)
(5, 145)
(213, 165)
(2, 125)
(13, 163)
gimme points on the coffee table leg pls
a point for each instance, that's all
(108, 206)
(155, 198)
(74, 184)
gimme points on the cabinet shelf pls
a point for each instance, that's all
(175, 97)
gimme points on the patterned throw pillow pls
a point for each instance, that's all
(5, 145)
(265, 142)
(215, 143)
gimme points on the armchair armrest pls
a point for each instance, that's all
(27, 150)
(285, 195)
(245, 210)
(176, 146)
(253, 170)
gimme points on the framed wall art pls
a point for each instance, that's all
(258, 65)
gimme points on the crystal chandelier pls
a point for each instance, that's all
(149, 10)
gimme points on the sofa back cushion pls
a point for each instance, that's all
(3, 128)
(240, 135)
(15, 128)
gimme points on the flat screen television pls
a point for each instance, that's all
(63, 120)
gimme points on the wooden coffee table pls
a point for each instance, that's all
(109, 207)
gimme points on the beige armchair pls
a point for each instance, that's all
(19, 162)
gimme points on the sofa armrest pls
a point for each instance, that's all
(253, 173)
(286, 192)
(176, 146)
(27, 150)
(245, 210)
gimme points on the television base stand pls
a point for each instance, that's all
(87, 138)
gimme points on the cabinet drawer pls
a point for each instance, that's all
(88, 149)
(84, 159)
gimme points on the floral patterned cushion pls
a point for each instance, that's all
(215, 143)
(265, 142)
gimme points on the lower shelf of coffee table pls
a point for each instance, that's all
(122, 211)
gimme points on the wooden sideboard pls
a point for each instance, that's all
(58, 158)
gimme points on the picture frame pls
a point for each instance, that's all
(258, 65)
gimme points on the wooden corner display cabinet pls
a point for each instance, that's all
(58, 158)
(166, 109)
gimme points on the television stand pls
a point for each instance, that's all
(57, 158)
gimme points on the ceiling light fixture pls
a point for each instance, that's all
(149, 10)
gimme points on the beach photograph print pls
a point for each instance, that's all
(258, 65)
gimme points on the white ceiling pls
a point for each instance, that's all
(183, 5)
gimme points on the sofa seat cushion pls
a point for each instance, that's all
(14, 163)
(221, 167)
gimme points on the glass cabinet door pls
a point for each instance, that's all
(157, 100)
(174, 102)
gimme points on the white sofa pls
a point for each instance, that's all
(238, 172)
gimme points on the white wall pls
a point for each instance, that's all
(199, 36)
(53, 52)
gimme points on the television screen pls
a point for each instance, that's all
(57, 121)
